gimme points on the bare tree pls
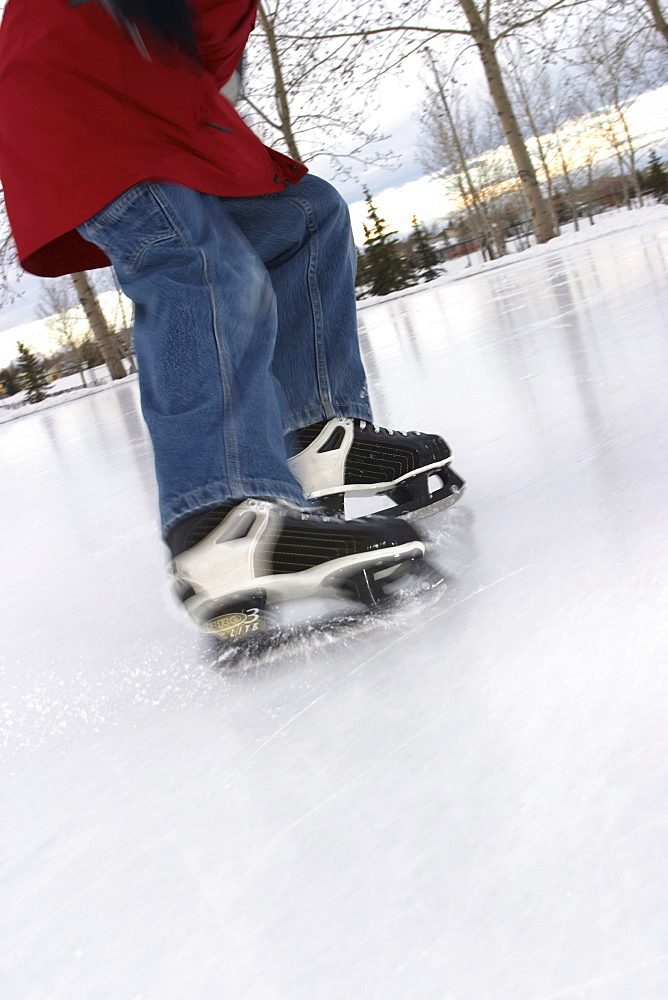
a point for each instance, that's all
(62, 314)
(659, 19)
(458, 149)
(479, 22)
(312, 95)
(540, 106)
(614, 73)
(485, 24)
(643, 15)
(10, 272)
(98, 324)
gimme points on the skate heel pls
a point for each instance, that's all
(375, 585)
(238, 616)
(414, 499)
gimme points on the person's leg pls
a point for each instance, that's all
(310, 256)
(303, 237)
(205, 336)
(205, 328)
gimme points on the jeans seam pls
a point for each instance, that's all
(120, 204)
(228, 438)
(324, 387)
(110, 215)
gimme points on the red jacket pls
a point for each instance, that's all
(84, 116)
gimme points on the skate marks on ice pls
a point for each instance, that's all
(397, 628)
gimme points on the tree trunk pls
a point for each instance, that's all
(635, 178)
(590, 191)
(479, 207)
(570, 189)
(78, 360)
(542, 223)
(280, 91)
(659, 18)
(98, 324)
(542, 153)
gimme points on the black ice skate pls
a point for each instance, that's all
(233, 563)
(342, 458)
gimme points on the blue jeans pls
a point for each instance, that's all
(245, 329)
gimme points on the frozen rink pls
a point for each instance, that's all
(470, 803)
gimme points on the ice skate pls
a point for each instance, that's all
(233, 565)
(342, 458)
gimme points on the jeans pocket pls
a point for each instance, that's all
(129, 225)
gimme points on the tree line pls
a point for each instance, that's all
(388, 263)
(309, 68)
(84, 337)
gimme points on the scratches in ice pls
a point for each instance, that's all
(360, 666)
(578, 990)
(423, 622)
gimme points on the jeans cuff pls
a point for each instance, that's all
(314, 414)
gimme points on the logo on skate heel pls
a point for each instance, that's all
(236, 624)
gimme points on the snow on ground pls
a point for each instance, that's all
(63, 390)
(468, 803)
(605, 225)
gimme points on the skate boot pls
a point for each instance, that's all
(232, 563)
(343, 457)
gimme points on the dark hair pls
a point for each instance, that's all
(169, 21)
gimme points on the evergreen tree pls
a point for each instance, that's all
(31, 373)
(426, 258)
(385, 269)
(9, 383)
(657, 176)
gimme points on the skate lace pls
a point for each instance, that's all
(305, 513)
(383, 430)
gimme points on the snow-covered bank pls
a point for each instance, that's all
(607, 225)
(63, 390)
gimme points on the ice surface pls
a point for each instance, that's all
(468, 804)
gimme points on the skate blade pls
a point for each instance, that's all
(412, 499)
(447, 501)
(408, 511)
(291, 641)
(420, 586)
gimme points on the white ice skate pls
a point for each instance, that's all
(232, 564)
